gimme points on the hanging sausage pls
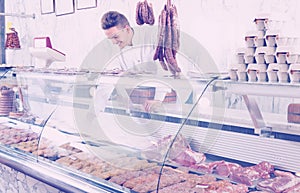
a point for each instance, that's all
(144, 13)
(168, 39)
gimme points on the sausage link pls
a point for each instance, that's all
(137, 16)
(144, 11)
(151, 18)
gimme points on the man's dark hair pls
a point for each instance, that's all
(112, 19)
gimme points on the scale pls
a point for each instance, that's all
(49, 55)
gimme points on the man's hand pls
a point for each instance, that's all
(152, 105)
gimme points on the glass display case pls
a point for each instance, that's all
(81, 131)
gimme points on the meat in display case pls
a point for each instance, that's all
(85, 132)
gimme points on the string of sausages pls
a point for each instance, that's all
(168, 39)
(144, 13)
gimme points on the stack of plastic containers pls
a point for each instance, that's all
(269, 55)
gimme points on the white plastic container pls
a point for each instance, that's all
(240, 55)
(265, 55)
(294, 55)
(272, 70)
(281, 54)
(274, 24)
(261, 72)
(257, 72)
(281, 40)
(272, 76)
(261, 76)
(288, 54)
(294, 73)
(250, 51)
(270, 54)
(271, 40)
(270, 59)
(240, 58)
(249, 55)
(283, 67)
(249, 41)
(261, 33)
(281, 57)
(259, 58)
(233, 74)
(234, 70)
(259, 42)
(249, 59)
(242, 76)
(251, 75)
(293, 58)
(259, 55)
(238, 72)
(283, 77)
(239, 67)
(292, 41)
(261, 23)
(271, 36)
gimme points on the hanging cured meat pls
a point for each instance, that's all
(144, 13)
(168, 39)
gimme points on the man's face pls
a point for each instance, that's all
(119, 36)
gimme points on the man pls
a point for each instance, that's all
(116, 27)
(137, 47)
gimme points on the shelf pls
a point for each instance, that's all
(290, 90)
